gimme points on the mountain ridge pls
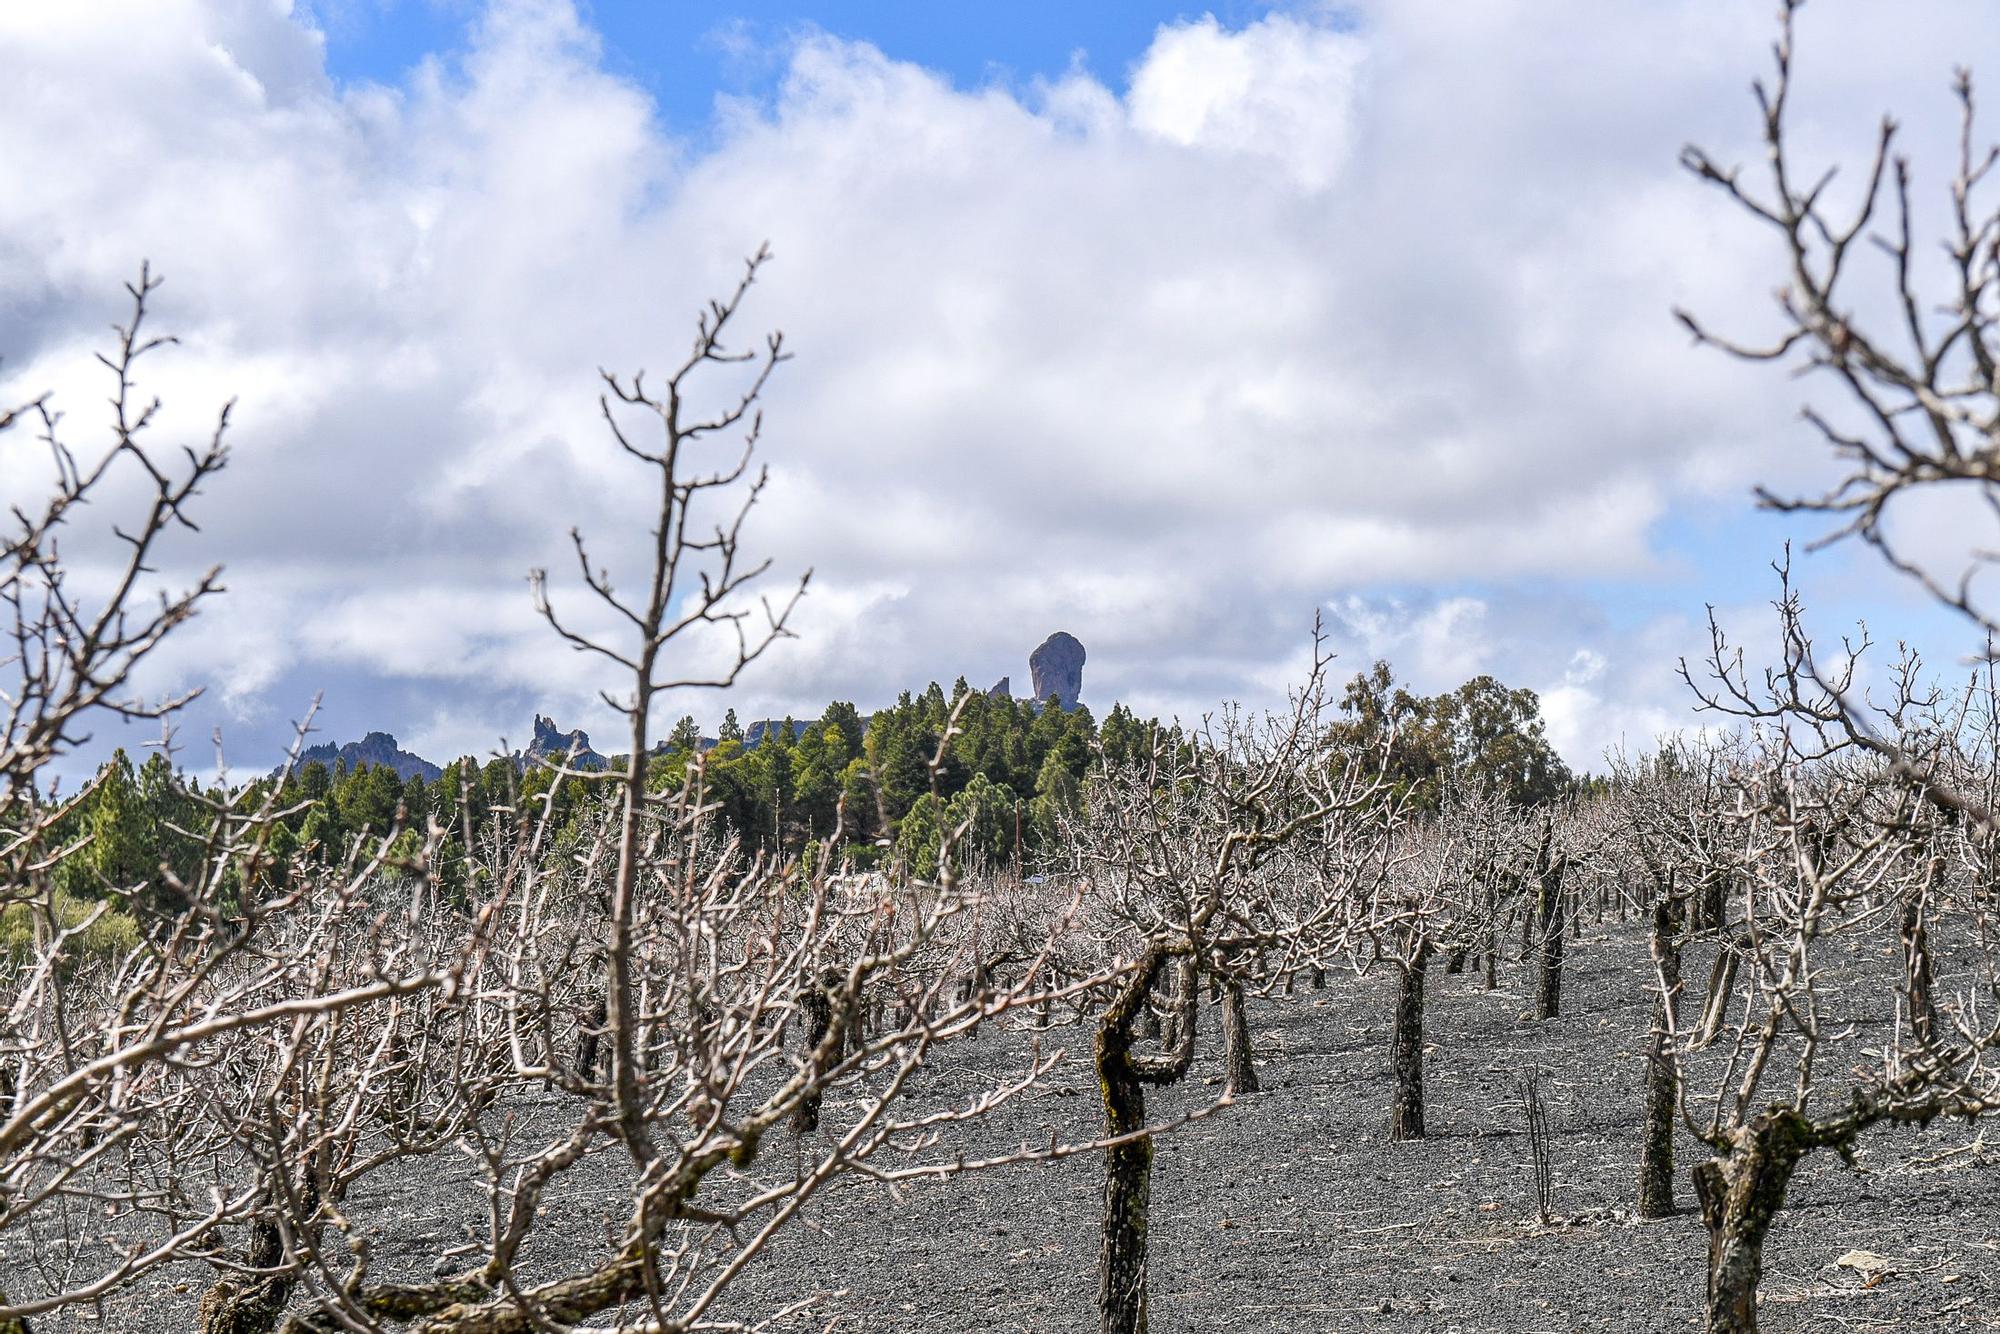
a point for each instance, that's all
(1057, 665)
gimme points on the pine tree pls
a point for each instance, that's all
(686, 736)
(919, 834)
(123, 857)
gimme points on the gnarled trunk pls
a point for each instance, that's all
(588, 1039)
(1489, 966)
(252, 1303)
(1122, 1076)
(816, 1005)
(1128, 1188)
(1176, 1013)
(1712, 903)
(1740, 1194)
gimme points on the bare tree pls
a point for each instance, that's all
(1829, 841)
(105, 1105)
(300, 1025)
(1432, 902)
(1673, 840)
(1916, 409)
(1179, 853)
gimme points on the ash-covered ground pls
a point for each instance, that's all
(1292, 1210)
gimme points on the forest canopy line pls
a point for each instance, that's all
(1011, 774)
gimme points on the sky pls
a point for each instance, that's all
(1174, 328)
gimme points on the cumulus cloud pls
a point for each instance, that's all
(1305, 311)
(1281, 91)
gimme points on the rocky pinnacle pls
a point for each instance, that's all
(1058, 669)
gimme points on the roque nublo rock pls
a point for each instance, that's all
(1058, 669)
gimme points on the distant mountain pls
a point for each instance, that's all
(754, 735)
(377, 748)
(380, 749)
(558, 747)
(1057, 668)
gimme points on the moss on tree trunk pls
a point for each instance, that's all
(252, 1303)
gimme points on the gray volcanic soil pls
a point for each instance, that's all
(1293, 1210)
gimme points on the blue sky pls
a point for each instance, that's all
(1170, 327)
(684, 53)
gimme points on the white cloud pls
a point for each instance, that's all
(1281, 91)
(1304, 312)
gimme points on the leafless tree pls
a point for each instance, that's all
(1915, 413)
(1829, 841)
(106, 1101)
(298, 1027)
(1181, 855)
(1432, 902)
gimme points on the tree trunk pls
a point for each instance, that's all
(854, 1027)
(18, 1325)
(587, 1040)
(1917, 982)
(1406, 1044)
(1549, 912)
(816, 1004)
(252, 1303)
(1713, 902)
(1239, 1068)
(1740, 1194)
(1128, 1180)
(1721, 984)
(1122, 1076)
(1489, 967)
(1656, 1141)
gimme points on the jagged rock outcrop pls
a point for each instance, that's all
(573, 746)
(1002, 689)
(375, 749)
(1058, 669)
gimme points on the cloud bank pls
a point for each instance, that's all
(1366, 315)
